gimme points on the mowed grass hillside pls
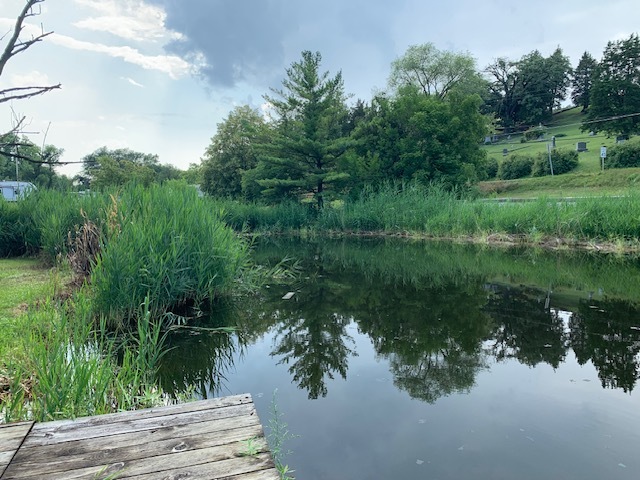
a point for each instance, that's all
(586, 180)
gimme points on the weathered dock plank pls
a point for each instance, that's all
(11, 437)
(218, 438)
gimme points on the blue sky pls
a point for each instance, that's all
(158, 75)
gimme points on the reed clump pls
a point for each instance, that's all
(168, 245)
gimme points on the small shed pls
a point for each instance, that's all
(13, 191)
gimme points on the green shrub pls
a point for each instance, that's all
(563, 161)
(534, 133)
(626, 155)
(515, 166)
(491, 168)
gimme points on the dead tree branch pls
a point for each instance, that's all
(16, 45)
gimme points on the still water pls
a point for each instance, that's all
(410, 360)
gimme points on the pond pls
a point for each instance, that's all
(397, 359)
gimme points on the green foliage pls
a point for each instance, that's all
(164, 243)
(35, 164)
(72, 367)
(535, 133)
(284, 216)
(436, 72)
(418, 137)
(582, 81)
(232, 152)
(311, 113)
(515, 166)
(491, 167)
(563, 161)
(616, 89)
(625, 155)
(11, 238)
(527, 91)
(108, 168)
(278, 435)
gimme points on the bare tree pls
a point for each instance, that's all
(17, 43)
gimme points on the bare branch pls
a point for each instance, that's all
(30, 92)
(14, 45)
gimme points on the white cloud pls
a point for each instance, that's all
(33, 78)
(132, 82)
(172, 65)
(128, 19)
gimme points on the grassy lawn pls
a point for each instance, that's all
(586, 180)
(22, 282)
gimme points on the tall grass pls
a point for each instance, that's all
(434, 211)
(72, 368)
(11, 238)
(168, 246)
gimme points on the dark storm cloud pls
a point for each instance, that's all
(253, 40)
(238, 38)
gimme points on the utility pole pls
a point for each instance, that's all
(550, 162)
(15, 159)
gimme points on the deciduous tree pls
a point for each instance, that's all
(615, 93)
(434, 72)
(17, 42)
(233, 151)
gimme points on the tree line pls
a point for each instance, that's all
(427, 126)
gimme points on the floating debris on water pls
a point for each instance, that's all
(419, 462)
(622, 465)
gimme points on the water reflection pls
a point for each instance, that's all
(607, 333)
(201, 355)
(526, 328)
(438, 314)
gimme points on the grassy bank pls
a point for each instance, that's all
(140, 256)
(586, 180)
(432, 212)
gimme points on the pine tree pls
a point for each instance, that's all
(583, 80)
(310, 116)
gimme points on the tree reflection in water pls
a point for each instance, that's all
(437, 313)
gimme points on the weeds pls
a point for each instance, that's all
(279, 434)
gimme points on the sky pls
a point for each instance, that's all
(157, 76)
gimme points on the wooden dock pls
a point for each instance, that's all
(220, 438)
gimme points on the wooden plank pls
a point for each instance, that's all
(127, 416)
(224, 460)
(227, 469)
(212, 428)
(111, 450)
(11, 437)
(201, 440)
(45, 434)
(270, 474)
(9, 432)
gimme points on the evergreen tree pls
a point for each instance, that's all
(582, 81)
(310, 116)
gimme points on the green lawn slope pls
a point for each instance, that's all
(587, 180)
